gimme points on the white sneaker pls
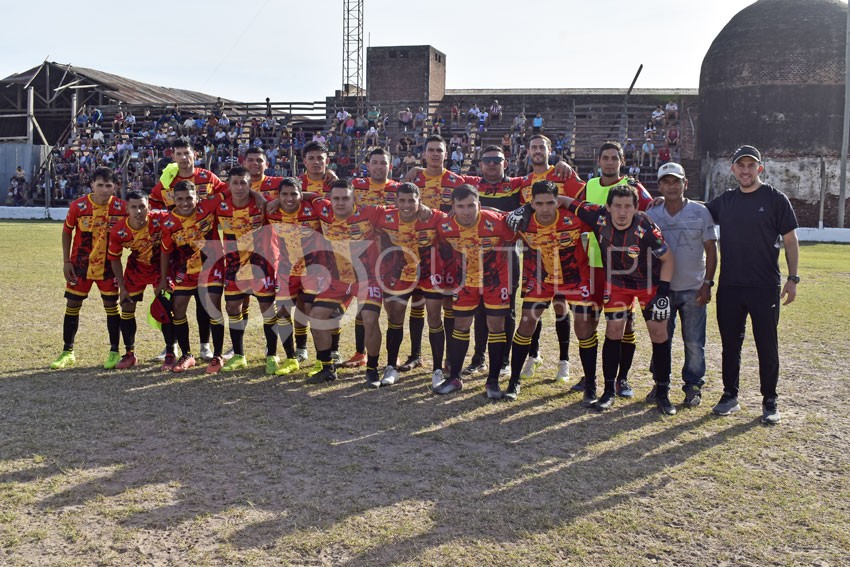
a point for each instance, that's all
(563, 371)
(228, 355)
(336, 357)
(390, 376)
(206, 352)
(437, 378)
(301, 355)
(530, 366)
(505, 371)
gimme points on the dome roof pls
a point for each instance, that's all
(774, 77)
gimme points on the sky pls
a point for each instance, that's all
(291, 50)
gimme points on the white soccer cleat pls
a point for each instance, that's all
(530, 366)
(228, 355)
(390, 376)
(206, 352)
(437, 378)
(563, 371)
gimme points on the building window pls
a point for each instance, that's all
(438, 58)
(392, 54)
(403, 54)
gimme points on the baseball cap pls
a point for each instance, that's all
(671, 168)
(746, 151)
(160, 311)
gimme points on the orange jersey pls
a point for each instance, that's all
(567, 186)
(555, 254)
(310, 186)
(484, 247)
(299, 238)
(367, 192)
(144, 244)
(436, 191)
(206, 184)
(245, 241)
(192, 240)
(267, 186)
(90, 225)
(407, 255)
(353, 250)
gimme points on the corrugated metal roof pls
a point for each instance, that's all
(120, 88)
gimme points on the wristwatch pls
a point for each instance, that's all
(709, 283)
(795, 279)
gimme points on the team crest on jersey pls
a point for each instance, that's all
(203, 175)
(355, 230)
(119, 205)
(633, 251)
(224, 206)
(81, 205)
(325, 211)
(308, 211)
(452, 178)
(640, 231)
(389, 217)
(446, 226)
(488, 225)
(168, 223)
(122, 233)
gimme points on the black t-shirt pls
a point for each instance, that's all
(751, 229)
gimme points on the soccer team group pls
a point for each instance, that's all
(456, 249)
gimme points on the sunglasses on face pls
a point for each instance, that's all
(492, 160)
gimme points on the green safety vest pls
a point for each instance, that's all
(597, 194)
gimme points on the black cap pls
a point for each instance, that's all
(746, 151)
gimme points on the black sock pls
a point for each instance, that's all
(203, 319)
(113, 327)
(534, 347)
(395, 334)
(128, 330)
(661, 362)
(324, 356)
(237, 333)
(284, 331)
(496, 344)
(372, 362)
(301, 337)
(181, 333)
(481, 335)
(610, 362)
(217, 332)
(458, 345)
(244, 318)
(627, 354)
(69, 327)
(417, 326)
(359, 336)
(271, 337)
(168, 337)
(335, 334)
(562, 329)
(519, 352)
(448, 322)
(587, 349)
(510, 327)
(437, 340)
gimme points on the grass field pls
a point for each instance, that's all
(140, 467)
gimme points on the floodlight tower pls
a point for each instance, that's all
(352, 53)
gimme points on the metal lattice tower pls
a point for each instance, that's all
(352, 53)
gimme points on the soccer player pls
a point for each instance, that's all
(610, 161)
(480, 239)
(630, 243)
(689, 230)
(568, 184)
(405, 266)
(555, 270)
(162, 197)
(249, 255)
(84, 247)
(351, 260)
(296, 223)
(376, 189)
(191, 258)
(141, 233)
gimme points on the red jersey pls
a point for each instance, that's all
(206, 184)
(144, 244)
(436, 191)
(554, 253)
(367, 192)
(351, 242)
(625, 253)
(90, 225)
(267, 186)
(483, 247)
(407, 255)
(246, 242)
(299, 238)
(192, 240)
(567, 186)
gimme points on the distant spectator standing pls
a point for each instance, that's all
(647, 153)
(671, 112)
(405, 119)
(537, 124)
(496, 111)
(658, 116)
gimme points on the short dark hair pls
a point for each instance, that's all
(104, 173)
(622, 191)
(136, 194)
(436, 138)
(546, 140)
(464, 191)
(544, 187)
(408, 187)
(182, 142)
(185, 185)
(342, 184)
(256, 150)
(238, 171)
(290, 182)
(611, 146)
(492, 148)
(379, 151)
(314, 146)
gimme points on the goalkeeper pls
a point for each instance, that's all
(638, 265)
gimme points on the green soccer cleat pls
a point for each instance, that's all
(317, 367)
(288, 366)
(65, 360)
(112, 360)
(272, 365)
(238, 362)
